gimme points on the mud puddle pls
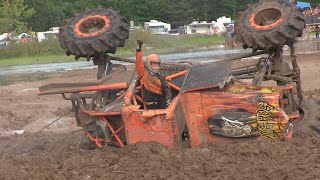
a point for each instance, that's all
(31, 73)
(6, 80)
(302, 47)
(200, 55)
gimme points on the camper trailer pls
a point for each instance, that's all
(157, 27)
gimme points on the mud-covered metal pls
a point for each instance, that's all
(209, 105)
(207, 75)
(151, 126)
(235, 111)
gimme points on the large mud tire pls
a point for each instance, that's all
(93, 33)
(269, 25)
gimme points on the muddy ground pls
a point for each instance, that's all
(52, 154)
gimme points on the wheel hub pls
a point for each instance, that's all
(92, 25)
(267, 17)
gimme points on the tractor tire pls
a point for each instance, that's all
(93, 33)
(269, 25)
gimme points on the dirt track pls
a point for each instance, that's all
(52, 154)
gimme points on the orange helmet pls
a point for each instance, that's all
(153, 63)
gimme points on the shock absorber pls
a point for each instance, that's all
(296, 71)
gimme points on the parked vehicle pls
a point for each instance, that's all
(157, 27)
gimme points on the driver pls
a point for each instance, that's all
(156, 92)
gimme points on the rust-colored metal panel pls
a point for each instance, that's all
(116, 80)
(193, 110)
(179, 117)
(150, 126)
(67, 89)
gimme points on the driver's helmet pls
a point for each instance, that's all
(153, 64)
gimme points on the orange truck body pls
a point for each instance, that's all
(222, 110)
(265, 118)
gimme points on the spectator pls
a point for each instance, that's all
(316, 15)
(307, 12)
(24, 37)
(308, 15)
(316, 11)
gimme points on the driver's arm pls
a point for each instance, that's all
(139, 62)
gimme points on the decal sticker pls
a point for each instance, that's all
(236, 89)
(265, 120)
(233, 123)
(235, 128)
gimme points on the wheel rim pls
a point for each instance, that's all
(92, 25)
(266, 19)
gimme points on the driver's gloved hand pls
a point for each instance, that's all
(139, 44)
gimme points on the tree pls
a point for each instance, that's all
(141, 10)
(50, 16)
(14, 15)
(180, 12)
(176, 12)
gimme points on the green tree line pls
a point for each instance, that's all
(40, 15)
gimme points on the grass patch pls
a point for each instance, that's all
(32, 49)
(49, 51)
(186, 41)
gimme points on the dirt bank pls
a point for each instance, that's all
(52, 154)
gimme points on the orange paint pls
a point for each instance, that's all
(87, 88)
(170, 77)
(150, 126)
(128, 97)
(78, 24)
(93, 113)
(96, 140)
(114, 132)
(294, 116)
(200, 105)
(195, 108)
(121, 96)
(253, 24)
(174, 86)
(139, 98)
(151, 83)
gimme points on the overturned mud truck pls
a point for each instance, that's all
(212, 102)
